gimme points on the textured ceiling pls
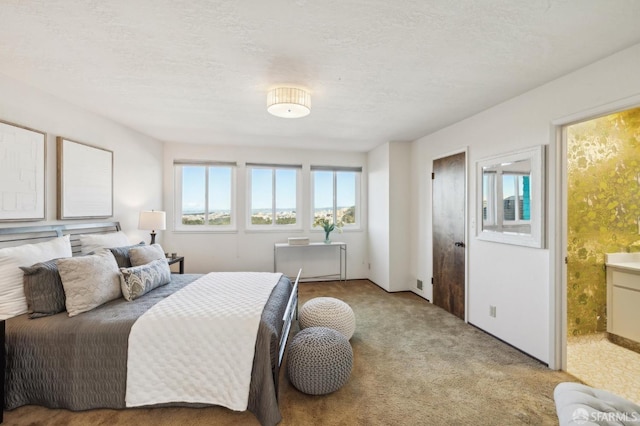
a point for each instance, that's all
(378, 70)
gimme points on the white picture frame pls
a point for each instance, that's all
(85, 180)
(22, 173)
(491, 225)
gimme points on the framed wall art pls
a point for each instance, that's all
(22, 173)
(85, 180)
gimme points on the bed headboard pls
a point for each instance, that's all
(15, 236)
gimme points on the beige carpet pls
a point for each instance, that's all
(600, 363)
(414, 365)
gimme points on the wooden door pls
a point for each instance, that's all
(448, 207)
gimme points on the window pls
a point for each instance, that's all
(204, 195)
(336, 194)
(273, 192)
(517, 199)
(510, 190)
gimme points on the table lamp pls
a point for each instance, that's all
(152, 220)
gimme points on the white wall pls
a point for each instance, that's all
(137, 168)
(389, 226)
(379, 244)
(253, 250)
(517, 280)
(420, 221)
(399, 226)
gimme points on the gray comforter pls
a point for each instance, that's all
(80, 363)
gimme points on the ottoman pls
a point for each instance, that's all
(319, 361)
(578, 404)
(328, 312)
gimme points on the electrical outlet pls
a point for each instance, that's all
(492, 311)
(419, 284)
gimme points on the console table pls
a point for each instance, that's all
(341, 248)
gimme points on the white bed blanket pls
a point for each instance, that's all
(198, 344)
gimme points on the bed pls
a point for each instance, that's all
(80, 362)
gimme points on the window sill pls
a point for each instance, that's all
(273, 230)
(205, 231)
(321, 231)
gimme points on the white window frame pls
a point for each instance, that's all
(516, 221)
(274, 226)
(178, 226)
(335, 169)
(494, 190)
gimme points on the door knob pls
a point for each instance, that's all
(459, 244)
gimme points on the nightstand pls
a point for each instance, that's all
(179, 259)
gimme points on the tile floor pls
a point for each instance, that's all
(599, 363)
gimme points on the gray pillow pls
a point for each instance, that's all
(139, 280)
(122, 254)
(43, 289)
(89, 281)
(146, 254)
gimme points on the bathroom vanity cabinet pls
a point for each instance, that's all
(623, 295)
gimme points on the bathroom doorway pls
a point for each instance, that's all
(603, 215)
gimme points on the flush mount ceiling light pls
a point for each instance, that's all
(288, 102)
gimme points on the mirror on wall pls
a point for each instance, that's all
(511, 198)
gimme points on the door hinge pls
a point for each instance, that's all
(431, 280)
(433, 176)
(566, 260)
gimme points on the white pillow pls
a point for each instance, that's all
(89, 281)
(93, 242)
(12, 298)
(145, 254)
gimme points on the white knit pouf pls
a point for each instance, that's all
(328, 312)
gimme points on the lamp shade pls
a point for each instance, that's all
(289, 102)
(152, 220)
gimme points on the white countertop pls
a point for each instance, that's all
(627, 266)
(625, 261)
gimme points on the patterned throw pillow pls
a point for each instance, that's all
(145, 254)
(43, 289)
(139, 280)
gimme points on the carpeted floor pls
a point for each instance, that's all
(414, 364)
